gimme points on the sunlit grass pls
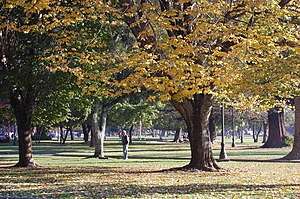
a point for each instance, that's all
(68, 171)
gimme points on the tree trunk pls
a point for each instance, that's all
(265, 125)
(277, 131)
(140, 127)
(84, 131)
(71, 132)
(99, 132)
(44, 132)
(160, 134)
(66, 136)
(23, 113)
(130, 134)
(15, 134)
(178, 136)
(196, 114)
(295, 153)
(253, 132)
(38, 134)
(212, 129)
(61, 129)
(241, 133)
(257, 134)
(92, 143)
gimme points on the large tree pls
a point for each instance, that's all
(23, 73)
(193, 51)
(30, 33)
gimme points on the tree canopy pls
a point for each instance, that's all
(238, 51)
(187, 52)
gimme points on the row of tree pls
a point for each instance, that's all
(189, 53)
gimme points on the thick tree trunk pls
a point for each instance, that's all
(99, 132)
(196, 114)
(178, 136)
(295, 153)
(25, 149)
(23, 112)
(277, 131)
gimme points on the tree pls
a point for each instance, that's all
(169, 119)
(31, 43)
(295, 153)
(277, 133)
(136, 111)
(192, 51)
(98, 130)
(23, 72)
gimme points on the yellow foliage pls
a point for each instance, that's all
(214, 47)
(235, 51)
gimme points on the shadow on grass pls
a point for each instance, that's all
(134, 190)
(271, 160)
(178, 158)
(39, 171)
(121, 190)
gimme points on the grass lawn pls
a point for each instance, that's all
(67, 171)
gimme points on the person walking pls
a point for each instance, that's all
(125, 143)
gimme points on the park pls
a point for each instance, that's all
(68, 171)
(149, 99)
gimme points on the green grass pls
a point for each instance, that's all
(67, 171)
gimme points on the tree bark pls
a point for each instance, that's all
(66, 135)
(130, 134)
(277, 131)
(265, 126)
(212, 128)
(295, 153)
(85, 132)
(178, 136)
(38, 133)
(61, 138)
(140, 127)
(15, 134)
(196, 114)
(256, 135)
(253, 132)
(92, 143)
(99, 132)
(23, 112)
(71, 132)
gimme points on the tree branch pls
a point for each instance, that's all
(283, 3)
